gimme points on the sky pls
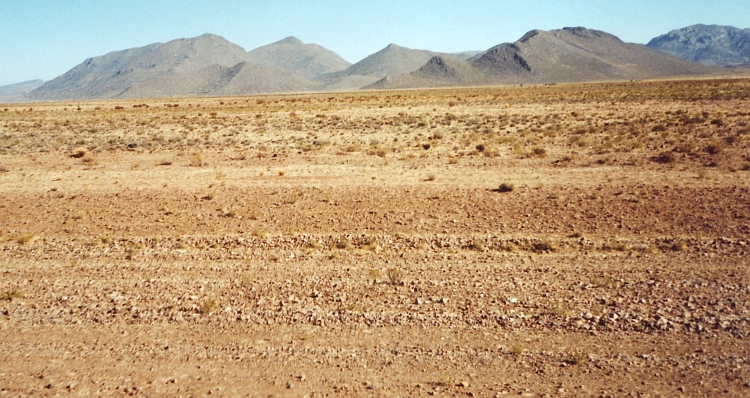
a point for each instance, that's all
(42, 39)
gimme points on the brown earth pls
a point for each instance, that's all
(359, 244)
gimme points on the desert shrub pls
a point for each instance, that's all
(79, 152)
(538, 152)
(477, 244)
(713, 148)
(505, 187)
(230, 213)
(543, 247)
(313, 245)
(603, 281)
(196, 160)
(395, 276)
(665, 157)
(370, 244)
(578, 356)
(678, 246)
(343, 243)
(11, 294)
(26, 239)
(208, 306)
(353, 148)
(614, 245)
(560, 308)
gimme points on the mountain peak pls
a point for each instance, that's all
(290, 40)
(291, 54)
(208, 37)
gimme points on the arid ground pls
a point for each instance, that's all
(566, 240)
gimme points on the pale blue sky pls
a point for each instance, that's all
(44, 38)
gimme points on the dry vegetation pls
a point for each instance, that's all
(583, 239)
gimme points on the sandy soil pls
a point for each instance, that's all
(360, 244)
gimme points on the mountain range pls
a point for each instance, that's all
(557, 56)
(211, 65)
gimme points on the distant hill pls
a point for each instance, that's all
(307, 60)
(393, 60)
(111, 75)
(14, 92)
(707, 44)
(203, 65)
(565, 55)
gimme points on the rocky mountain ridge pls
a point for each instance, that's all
(712, 45)
(557, 56)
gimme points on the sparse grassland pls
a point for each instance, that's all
(472, 241)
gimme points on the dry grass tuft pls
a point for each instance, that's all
(196, 160)
(79, 152)
(26, 239)
(395, 276)
(11, 294)
(208, 306)
(578, 356)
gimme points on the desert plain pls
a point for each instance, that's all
(546, 240)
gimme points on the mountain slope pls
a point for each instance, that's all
(439, 71)
(565, 55)
(307, 60)
(204, 65)
(580, 54)
(112, 74)
(13, 92)
(241, 79)
(707, 44)
(393, 60)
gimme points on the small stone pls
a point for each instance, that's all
(464, 384)
(289, 386)
(49, 385)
